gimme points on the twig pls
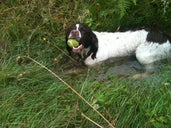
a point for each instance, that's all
(91, 120)
(73, 90)
(61, 51)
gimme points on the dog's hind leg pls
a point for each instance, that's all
(146, 56)
(149, 69)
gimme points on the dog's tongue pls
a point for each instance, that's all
(78, 49)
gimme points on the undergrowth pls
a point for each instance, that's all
(31, 97)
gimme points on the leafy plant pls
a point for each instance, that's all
(31, 97)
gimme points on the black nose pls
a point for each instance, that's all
(75, 33)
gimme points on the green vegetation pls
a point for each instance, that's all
(31, 97)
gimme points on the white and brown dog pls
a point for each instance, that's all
(147, 45)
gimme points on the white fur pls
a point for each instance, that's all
(120, 44)
(77, 28)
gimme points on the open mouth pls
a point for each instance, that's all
(78, 48)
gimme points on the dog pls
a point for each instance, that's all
(147, 45)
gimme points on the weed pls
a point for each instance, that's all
(31, 97)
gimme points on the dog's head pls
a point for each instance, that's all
(86, 38)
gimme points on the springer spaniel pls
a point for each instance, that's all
(147, 45)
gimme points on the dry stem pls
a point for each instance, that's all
(73, 90)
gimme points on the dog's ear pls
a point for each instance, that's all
(94, 46)
(66, 40)
(67, 47)
(90, 40)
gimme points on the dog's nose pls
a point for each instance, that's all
(75, 33)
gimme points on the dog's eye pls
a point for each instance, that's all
(81, 28)
(73, 28)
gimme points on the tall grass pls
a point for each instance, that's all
(36, 100)
(30, 97)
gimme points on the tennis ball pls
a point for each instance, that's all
(72, 43)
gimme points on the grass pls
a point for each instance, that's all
(30, 97)
(42, 101)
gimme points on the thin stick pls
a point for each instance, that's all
(73, 90)
(61, 51)
(91, 120)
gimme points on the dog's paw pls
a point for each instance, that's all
(140, 76)
(93, 56)
(89, 61)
